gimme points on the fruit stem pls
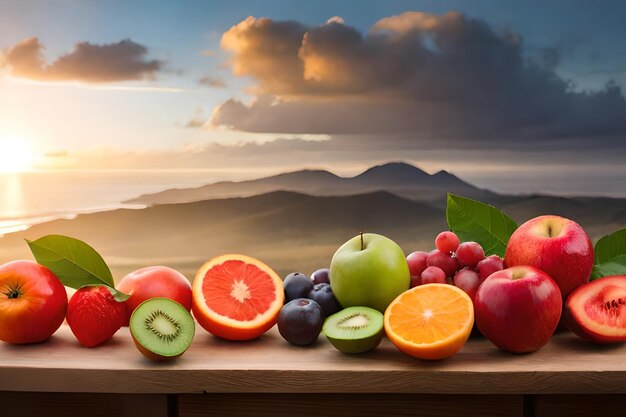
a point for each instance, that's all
(362, 245)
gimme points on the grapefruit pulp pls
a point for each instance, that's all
(237, 297)
(597, 311)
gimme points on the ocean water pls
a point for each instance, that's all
(35, 197)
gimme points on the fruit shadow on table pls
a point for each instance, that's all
(572, 342)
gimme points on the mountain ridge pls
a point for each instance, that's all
(400, 178)
(288, 230)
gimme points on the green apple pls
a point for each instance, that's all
(369, 270)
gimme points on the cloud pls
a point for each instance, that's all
(209, 53)
(425, 76)
(212, 82)
(196, 122)
(90, 63)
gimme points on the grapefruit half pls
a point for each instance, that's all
(237, 297)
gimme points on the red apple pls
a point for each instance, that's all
(32, 302)
(152, 282)
(557, 246)
(518, 308)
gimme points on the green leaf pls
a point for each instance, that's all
(611, 247)
(474, 221)
(75, 263)
(610, 255)
(607, 269)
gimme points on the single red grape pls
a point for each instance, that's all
(468, 281)
(470, 253)
(417, 262)
(415, 280)
(447, 242)
(433, 275)
(489, 265)
(443, 260)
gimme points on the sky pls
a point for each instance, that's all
(499, 92)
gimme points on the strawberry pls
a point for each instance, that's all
(94, 316)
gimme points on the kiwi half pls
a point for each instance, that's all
(161, 328)
(354, 329)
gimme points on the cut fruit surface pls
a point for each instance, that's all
(354, 329)
(432, 321)
(237, 297)
(597, 311)
(161, 328)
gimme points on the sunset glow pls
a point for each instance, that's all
(16, 155)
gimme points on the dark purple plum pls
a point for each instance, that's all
(323, 295)
(300, 321)
(297, 285)
(321, 276)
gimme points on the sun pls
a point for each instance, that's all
(16, 155)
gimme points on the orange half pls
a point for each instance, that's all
(431, 321)
(237, 297)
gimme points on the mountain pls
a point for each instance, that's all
(289, 231)
(597, 215)
(392, 172)
(399, 178)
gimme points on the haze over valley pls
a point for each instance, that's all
(294, 221)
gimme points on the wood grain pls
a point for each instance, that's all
(567, 365)
(349, 405)
(579, 405)
(35, 404)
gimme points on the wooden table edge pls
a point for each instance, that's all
(186, 381)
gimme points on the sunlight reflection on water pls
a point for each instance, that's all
(34, 197)
(12, 195)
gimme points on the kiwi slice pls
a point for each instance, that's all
(354, 329)
(161, 328)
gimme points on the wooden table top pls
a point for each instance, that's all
(566, 365)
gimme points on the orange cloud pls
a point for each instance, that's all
(268, 51)
(90, 63)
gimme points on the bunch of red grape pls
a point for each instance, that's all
(455, 263)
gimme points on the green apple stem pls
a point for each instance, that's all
(362, 245)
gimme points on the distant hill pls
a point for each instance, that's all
(598, 215)
(399, 178)
(290, 231)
